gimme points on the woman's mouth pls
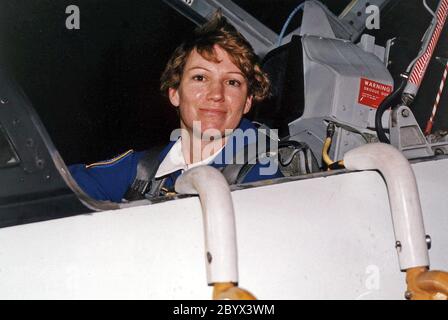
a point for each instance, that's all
(212, 112)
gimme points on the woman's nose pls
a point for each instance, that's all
(216, 91)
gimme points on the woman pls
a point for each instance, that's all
(213, 79)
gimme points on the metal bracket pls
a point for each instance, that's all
(389, 44)
(406, 136)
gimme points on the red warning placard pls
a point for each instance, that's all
(372, 93)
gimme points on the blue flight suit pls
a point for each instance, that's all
(110, 179)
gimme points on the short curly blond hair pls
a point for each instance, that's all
(217, 31)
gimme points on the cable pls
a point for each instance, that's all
(429, 9)
(288, 162)
(298, 146)
(427, 32)
(348, 9)
(386, 105)
(285, 26)
(328, 161)
(337, 165)
(331, 165)
(304, 153)
(430, 122)
(331, 128)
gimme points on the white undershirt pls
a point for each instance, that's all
(175, 160)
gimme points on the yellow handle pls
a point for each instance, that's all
(328, 161)
(229, 291)
(426, 285)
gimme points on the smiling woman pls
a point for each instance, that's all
(214, 93)
(212, 79)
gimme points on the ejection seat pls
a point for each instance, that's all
(284, 66)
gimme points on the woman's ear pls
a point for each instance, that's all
(173, 95)
(248, 104)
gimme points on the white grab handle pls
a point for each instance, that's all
(403, 198)
(219, 220)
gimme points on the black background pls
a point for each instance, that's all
(97, 89)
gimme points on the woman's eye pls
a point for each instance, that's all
(234, 83)
(198, 77)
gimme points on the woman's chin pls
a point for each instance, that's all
(212, 133)
(212, 128)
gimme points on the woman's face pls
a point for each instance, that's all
(215, 94)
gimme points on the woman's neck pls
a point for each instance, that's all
(197, 148)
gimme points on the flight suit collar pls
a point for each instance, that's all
(172, 159)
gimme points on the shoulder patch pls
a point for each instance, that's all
(110, 161)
